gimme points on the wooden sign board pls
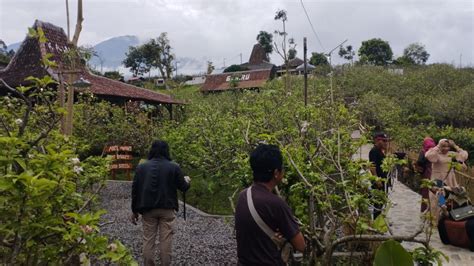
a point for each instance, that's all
(111, 149)
(125, 166)
(121, 158)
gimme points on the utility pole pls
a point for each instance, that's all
(241, 58)
(460, 61)
(224, 62)
(305, 50)
(176, 64)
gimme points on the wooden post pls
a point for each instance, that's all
(69, 106)
(305, 50)
(61, 98)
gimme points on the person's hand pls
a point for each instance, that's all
(278, 239)
(187, 179)
(451, 143)
(134, 218)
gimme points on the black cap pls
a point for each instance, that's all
(380, 135)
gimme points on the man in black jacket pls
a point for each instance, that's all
(154, 196)
(376, 157)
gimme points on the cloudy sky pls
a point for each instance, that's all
(218, 29)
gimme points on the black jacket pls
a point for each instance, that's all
(155, 184)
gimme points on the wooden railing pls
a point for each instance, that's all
(466, 181)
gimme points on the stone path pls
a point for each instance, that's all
(405, 220)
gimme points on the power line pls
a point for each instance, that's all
(312, 27)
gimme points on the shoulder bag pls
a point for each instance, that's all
(284, 246)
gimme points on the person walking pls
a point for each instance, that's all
(424, 168)
(441, 157)
(154, 196)
(376, 157)
(259, 213)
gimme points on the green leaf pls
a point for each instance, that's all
(21, 163)
(32, 33)
(391, 253)
(380, 224)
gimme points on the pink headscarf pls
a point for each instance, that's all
(428, 143)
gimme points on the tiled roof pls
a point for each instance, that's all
(26, 62)
(248, 80)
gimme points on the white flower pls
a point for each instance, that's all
(78, 169)
(18, 121)
(112, 247)
(75, 161)
(31, 156)
(84, 260)
(10, 105)
(304, 126)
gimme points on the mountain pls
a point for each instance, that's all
(112, 51)
(13, 46)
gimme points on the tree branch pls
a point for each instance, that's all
(29, 106)
(80, 19)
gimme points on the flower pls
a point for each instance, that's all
(18, 121)
(112, 247)
(75, 161)
(78, 169)
(87, 229)
(84, 260)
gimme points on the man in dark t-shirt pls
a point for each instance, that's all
(254, 247)
(376, 157)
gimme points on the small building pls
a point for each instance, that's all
(295, 67)
(27, 62)
(197, 80)
(258, 73)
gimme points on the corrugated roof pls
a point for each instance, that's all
(247, 80)
(26, 62)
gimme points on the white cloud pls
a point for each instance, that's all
(218, 29)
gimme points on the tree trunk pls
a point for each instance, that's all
(80, 19)
(67, 17)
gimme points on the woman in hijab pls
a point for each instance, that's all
(424, 167)
(441, 158)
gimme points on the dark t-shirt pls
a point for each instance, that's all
(376, 156)
(254, 247)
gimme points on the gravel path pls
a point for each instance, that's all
(200, 240)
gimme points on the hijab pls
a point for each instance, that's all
(428, 143)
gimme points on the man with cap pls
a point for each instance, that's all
(376, 157)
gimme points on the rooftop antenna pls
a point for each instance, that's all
(330, 67)
(328, 54)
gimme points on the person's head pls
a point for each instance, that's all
(266, 162)
(444, 146)
(381, 140)
(428, 143)
(159, 149)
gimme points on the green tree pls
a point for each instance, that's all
(235, 68)
(136, 61)
(375, 51)
(292, 53)
(347, 53)
(5, 55)
(266, 40)
(416, 53)
(210, 67)
(157, 53)
(113, 75)
(318, 59)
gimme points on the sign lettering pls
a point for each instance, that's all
(243, 77)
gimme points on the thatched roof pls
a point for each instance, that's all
(27, 62)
